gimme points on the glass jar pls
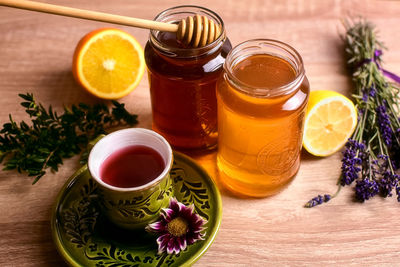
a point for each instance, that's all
(183, 83)
(262, 98)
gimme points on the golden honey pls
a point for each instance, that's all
(261, 106)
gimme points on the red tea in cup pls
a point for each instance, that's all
(132, 166)
(131, 169)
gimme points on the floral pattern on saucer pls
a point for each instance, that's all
(85, 238)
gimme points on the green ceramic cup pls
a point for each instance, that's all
(132, 207)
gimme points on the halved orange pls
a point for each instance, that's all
(330, 120)
(108, 63)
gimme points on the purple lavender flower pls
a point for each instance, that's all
(384, 125)
(360, 114)
(178, 227)
(383, 157)
(398, 191)
(386, 183)
(318, 200)
(350, 161)
(394, 165)
(371, 92)
(365, 96)
(381, 171)
(365, 189)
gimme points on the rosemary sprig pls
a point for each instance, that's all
(51, 137)
(371, 156)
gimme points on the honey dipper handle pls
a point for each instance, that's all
(90, 15)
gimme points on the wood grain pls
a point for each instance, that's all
(36, 54)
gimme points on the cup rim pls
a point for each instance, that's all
(153, 182)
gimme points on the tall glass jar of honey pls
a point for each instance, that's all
(183, 83)
(262, 97)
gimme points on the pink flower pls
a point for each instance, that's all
(178, 227)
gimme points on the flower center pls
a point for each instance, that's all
(178, 226)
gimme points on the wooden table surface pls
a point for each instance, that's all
(35, 56)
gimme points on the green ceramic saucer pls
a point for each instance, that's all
(84, 237)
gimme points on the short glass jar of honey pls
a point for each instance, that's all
(262, 97)
(183, 81)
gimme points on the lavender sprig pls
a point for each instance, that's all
(371, 155)
(318, 200)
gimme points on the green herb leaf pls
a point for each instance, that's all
(43, 144)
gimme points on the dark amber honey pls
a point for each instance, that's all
(182, 88)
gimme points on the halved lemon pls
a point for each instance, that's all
(108, 63)
(330, 120)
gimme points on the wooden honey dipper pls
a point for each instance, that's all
(196, 31)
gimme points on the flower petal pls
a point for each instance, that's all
(182, 243)
(156, 227)
(191, 208)
(162, 242)
(169, 214)
(177, 244)
(174, 205)
(187, 214)
(193, 237)
(171, 245)
(182, 207)
(197, 220)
